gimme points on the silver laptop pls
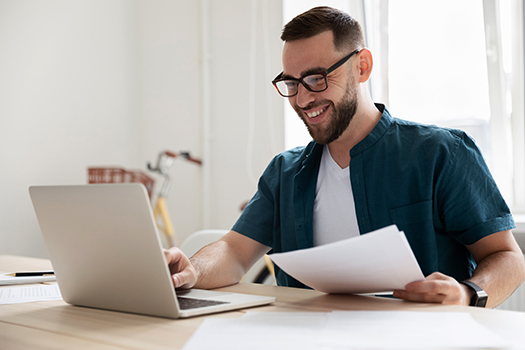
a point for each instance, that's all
(106, 253)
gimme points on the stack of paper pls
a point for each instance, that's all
(28, 294)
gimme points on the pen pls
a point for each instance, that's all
(30, 274)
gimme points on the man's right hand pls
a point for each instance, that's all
(183, 273)
(216, 265)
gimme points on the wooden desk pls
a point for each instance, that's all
(57, 325)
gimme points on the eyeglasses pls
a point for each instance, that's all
(288, 87)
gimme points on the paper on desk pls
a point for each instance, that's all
(260, 330)
(344, 330)
(378, 261)
(10, 280)
(14, 295)
(406, 330)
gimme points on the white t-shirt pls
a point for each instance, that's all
(334, 209)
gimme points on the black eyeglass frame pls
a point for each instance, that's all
(324, 74)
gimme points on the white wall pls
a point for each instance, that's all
(235, 158)
(168, 34)
(114, 82)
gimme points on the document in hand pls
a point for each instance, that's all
(379, 261)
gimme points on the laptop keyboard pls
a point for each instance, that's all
(191, 303)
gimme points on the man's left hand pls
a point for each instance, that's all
(436, 288)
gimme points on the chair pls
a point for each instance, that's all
(194, 242)
(261, 271)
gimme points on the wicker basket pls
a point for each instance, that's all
(99, 175)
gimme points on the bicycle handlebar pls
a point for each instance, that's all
(162, 168)
(187, 156)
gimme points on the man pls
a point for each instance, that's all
(366, 170)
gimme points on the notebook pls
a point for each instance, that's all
(106, 253)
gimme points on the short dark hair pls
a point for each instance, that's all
(347, 31)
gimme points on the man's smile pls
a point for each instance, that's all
(315, 115)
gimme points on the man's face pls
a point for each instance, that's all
(326, 114)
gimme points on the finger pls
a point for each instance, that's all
(177, 282)
(183, 272)
(437, 276)
(420, 297)
(185, 279)
(174, 259)
(435, 283)
(434, 287)
(172, 255)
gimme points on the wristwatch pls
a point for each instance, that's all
(479, 297)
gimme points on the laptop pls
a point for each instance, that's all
(107, 254)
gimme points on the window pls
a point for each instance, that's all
(455, 64)
(452, 63)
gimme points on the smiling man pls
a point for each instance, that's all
(365, 170)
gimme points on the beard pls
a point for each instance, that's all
(342, 115)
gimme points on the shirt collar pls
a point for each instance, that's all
(376, 134)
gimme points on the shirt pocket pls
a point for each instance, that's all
(413, 213)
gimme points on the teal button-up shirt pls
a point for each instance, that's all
(431, 182)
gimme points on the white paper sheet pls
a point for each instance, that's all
(344, 330)
(260, 330)
(14, 295)
(378, 261)
(406, 330)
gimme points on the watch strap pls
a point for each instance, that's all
(479, 298)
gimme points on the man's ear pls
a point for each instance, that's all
(365, 64)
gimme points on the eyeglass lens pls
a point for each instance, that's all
(314, 82)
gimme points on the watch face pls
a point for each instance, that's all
(479, 298)
(482, 298)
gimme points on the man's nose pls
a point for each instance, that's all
(304, 96)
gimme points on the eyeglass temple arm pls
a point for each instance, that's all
(277, 77)
(341, 61)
